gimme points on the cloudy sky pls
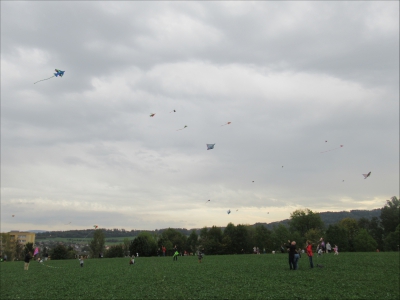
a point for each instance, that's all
(294, 79)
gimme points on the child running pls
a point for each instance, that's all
(336, 249)
(81, 261)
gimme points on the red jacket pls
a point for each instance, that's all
(309, 250)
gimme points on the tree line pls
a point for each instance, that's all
(349, 234)
(379, 233)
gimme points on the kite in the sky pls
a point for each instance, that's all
(332, 149)
(208, 201)
(58, 73)
(210, 146)
(326, 141)
(366, 175)
(226, 124)
(36, 251)
(172, 111)
(13, 216)
(229, 211)
(182, 128)
(95, 226)
(253, 181)
(237, 210)
(152, 115)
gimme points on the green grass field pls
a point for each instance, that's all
(347, 276)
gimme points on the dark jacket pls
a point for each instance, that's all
(292, 250)
(28, 258)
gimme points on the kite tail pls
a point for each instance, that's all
(43, 79)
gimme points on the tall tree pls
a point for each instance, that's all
(126, 243)
(280, 236)
(390, 215)
(392, 241)
(192, 241)
(59, 252)
(364, 242)
(262, 238)
(337, 235)
(351, 227)
(302, 220)
(97, 244)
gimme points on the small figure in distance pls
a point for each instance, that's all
(310, 254)
(200, 256)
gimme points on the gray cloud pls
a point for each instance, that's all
(289, 76)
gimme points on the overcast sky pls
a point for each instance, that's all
(294, 79)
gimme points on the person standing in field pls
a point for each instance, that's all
(328, 248)
(176, 253)
(292, 251)
(200, 256)
(28, 257)
(322, 245)
(81, 261)
(163, 250)
(309, 253)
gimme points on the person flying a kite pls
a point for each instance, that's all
(58, 73)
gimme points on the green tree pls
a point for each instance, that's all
(140, 245)
(174, 237)
(390, 215)
(59, 252)
(313, 235)
(228, 237)
(351, 227)
(8, 246)
(280, 236)
(302, 220)
(364, 242)
(115, 251)
(97, 244)
(19, 250)
(126, 243)
(242, 239)
(337, 235)
(262, 238)
(392, 240)
(192, 241)
(213, 244)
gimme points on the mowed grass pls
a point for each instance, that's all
(265, 276)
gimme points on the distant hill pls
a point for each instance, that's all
(329, 218)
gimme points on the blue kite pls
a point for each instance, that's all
(228, 212)
(58, 73)
(210, 146)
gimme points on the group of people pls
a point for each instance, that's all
(295, 254)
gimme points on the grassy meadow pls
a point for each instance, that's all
(265, 276)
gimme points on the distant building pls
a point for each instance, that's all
(22, 237)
